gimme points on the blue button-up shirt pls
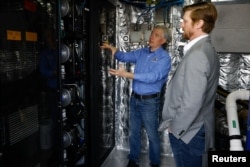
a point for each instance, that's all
(151, 69)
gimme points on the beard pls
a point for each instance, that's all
(187, 34)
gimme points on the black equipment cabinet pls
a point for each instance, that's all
(66, 126)
(72, 33)
(102, 110)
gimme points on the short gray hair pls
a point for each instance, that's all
(167, 32)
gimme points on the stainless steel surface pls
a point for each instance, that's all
(232, 29)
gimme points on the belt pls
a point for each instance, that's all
(145, 96)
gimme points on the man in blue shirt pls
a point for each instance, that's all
(152, 65)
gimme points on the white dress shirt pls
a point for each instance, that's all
(191, 43)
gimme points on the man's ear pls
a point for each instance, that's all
(164, 40)
(200, 23)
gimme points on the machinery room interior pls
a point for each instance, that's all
(91, 106)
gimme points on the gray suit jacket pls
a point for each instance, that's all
(190, 95)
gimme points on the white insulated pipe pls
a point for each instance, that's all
(232, 118)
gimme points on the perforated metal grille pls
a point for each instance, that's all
(22, 124)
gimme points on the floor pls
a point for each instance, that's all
(119, 158)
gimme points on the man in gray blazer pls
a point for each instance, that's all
(188, 111)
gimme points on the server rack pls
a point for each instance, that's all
(72, 18)
(76, 135)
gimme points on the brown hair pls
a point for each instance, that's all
(205, 11)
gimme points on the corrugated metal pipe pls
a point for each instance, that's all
(232, 118)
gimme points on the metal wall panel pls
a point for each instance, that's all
(232, 29)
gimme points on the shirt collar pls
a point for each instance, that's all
(192, 42)
(155, 51)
